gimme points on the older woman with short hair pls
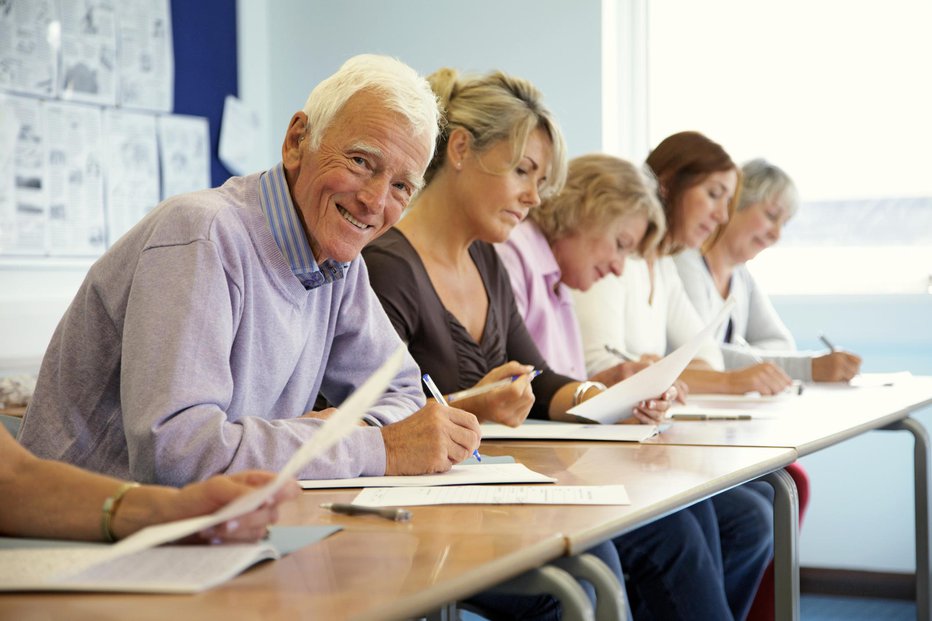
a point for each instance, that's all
(607, 211)
(769, 199)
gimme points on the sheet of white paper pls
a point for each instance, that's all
(147, 61)
(179, 569)
(88, 51)
(75, 180)
(618, 401)
(29, 34)
(24, 219)
(711, 400)
(184, 151)
(458, 475)
(340, 424)
(874, 380)
(494, 495)
(239, 137)
(132, 160)
(568, 431)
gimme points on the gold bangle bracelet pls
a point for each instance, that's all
(109, 509)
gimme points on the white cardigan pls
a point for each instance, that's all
(617, 311)
(753, 317)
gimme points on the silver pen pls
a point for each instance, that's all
(389, 513)
(623, 355)
(711, 416)
(827, 342)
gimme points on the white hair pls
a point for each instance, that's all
(402, 90)
(762, 181)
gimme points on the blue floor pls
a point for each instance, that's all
(830, 608)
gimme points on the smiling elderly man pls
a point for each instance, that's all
(198, 343)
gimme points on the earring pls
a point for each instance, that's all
(459, 165)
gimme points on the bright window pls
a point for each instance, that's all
(839, 95)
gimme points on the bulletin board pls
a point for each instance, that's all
(105, 110)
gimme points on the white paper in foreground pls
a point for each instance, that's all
(494, 495)
(343, 422)
(618, 401)
(568, 431)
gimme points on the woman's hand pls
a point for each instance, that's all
(210, 495)
(838, 366)
(508, 405)
(652, 411)
(764, 378)
(682, 391)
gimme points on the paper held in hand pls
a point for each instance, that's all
(105, 568)
(617, 402)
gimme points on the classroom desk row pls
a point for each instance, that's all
(375, 569)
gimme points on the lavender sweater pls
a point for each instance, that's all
(191, 349)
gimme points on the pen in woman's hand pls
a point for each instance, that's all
(827, 342)
(438, 396)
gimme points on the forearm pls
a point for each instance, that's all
(70, 501)
(561, 401)
(701, 379)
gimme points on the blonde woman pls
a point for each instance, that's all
(450, 298)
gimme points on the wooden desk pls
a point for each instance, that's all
(820, 417)
(825, 415)
(375, 569)
(658, 479)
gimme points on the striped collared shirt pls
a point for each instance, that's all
(275, 200)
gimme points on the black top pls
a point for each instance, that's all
(436, 339)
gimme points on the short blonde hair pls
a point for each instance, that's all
(599, 189)
(401, 88)
(495, 107)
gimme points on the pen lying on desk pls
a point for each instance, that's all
(711, 416)
(396, 515)
(481, 390)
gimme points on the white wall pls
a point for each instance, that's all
(290, 45)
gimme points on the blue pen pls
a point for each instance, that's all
(435, 392)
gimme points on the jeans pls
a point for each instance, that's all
(501, 607)
(674, 567)
(745, 523)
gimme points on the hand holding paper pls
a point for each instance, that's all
(618, 401)
(340, 424)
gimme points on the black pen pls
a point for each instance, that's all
(827, 342)
(389, 513)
